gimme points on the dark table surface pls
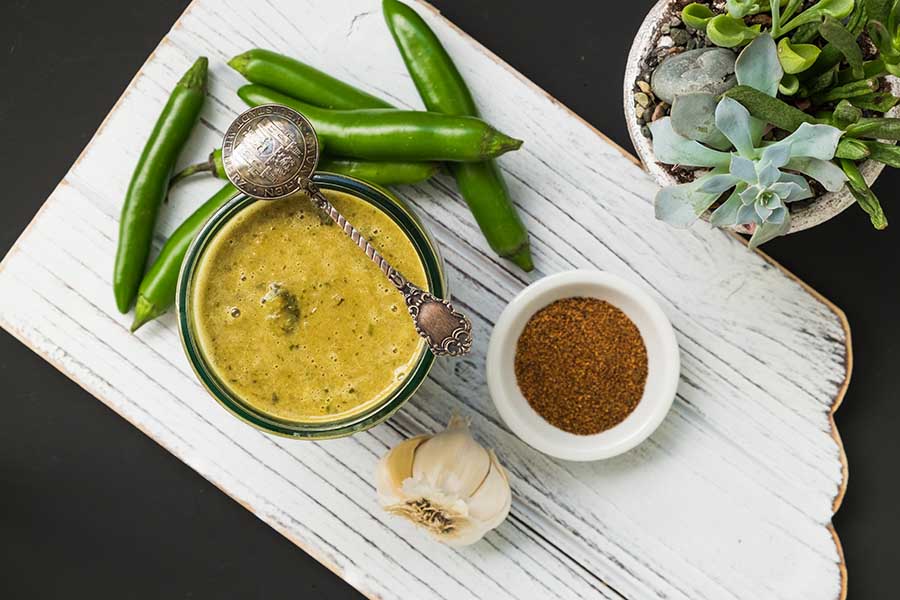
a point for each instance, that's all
(90, 507)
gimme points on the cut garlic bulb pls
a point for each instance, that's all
(447, 483)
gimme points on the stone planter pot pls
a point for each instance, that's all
(804, 214)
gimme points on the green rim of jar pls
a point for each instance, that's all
(428, 253)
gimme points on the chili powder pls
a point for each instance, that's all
(582, 365)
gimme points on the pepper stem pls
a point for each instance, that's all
(204, 167)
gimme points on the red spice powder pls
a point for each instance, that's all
(582, 365)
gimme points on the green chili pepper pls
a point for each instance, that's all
(150, 180)
(380, 172)
(301, 81)
(377, 172)
(157, 291)
(387, 134)
(443, 90)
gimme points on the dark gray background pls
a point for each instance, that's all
(90, 507)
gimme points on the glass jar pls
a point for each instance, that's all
(343, 425)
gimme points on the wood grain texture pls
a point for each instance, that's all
(731, 498)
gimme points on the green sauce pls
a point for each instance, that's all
(295, 320)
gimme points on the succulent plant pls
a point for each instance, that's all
(753, 171)
(757, 67)
(729, 29)
(760, 189)
(802, 71)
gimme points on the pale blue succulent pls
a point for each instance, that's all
(757, 66)
(763, 177)
(760, 188)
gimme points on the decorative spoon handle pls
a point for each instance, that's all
(447, 331)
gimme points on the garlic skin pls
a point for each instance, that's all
(447, 484)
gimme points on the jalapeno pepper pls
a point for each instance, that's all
(443, 90)
(380, 172)
(150, 181)
(387, 134)
(301, 81)
(377, 172)
(157, 292)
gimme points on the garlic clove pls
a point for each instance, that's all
(395, 467)
(452, 461)
(491, 502)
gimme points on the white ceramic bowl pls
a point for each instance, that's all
(663, 358)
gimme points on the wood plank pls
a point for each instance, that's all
(731, 498)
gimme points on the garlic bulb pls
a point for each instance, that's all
(447, 483)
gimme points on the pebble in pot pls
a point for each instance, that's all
(703, 70)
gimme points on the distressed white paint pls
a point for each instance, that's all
(731, 498)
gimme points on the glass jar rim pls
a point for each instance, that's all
(432, 262)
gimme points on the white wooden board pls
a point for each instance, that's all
(731, 498)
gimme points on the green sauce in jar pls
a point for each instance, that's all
(295, 320)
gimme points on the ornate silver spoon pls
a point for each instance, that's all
(270, 152)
